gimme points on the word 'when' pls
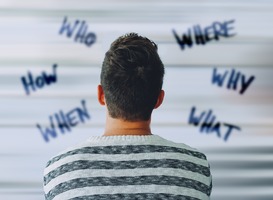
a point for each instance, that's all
(209, 125)
(82, 36)
(31, 83)
(233, 80)
(212, 32)
(64, 121)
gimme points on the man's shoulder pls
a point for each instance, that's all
(181, 147)
(69, 151)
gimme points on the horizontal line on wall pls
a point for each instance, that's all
(247, 165)
(72, 64)
(87, 126)
(241, 150)
(245, 182)
(21, 184)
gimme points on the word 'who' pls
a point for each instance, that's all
(31, 83)
(202, 36)
(82, 35)
(64, 121)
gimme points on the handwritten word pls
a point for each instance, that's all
(40, 81)
(209, 126)
(64, 121)
(82, 36)
(212, 32)
(233, 80)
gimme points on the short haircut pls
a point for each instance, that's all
(132, 77)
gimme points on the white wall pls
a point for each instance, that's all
(30, 42)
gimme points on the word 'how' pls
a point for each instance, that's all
(64, 121)
(212, 32)
(31, 83)
(208, 125)
(82, 36)
(233, 80)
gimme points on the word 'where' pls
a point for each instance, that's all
(207, 123)
(82, 35)
(202, 36)
(233, 80)
(63, 122)
(31, 83)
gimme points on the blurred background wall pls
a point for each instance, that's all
(50, 59)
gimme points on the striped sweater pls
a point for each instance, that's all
(128, 167)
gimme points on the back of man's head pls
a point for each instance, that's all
(132, 77)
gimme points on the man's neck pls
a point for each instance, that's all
(116, 127)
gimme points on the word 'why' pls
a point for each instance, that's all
(64, 121)
(209, 125)
(82, 36)
(233, 80)
(32, 83)
(212, 32)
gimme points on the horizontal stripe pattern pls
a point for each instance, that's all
(120, 166)
(139, 196)
(128, 149)
(122, 157)
(138, 180)
(129, 172)
(151, 163)
(130, 190)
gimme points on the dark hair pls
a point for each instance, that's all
(132, 77)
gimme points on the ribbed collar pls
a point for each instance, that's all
(124, 138)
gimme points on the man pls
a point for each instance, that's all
(128, 161)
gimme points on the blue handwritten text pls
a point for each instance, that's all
(202, 36)
(236, 78)
(206, 121)
(82, 35)
(64, 121)
(31, 83)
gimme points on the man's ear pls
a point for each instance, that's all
(101, 98)
(160, 99)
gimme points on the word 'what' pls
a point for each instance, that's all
(32, 83)
(209, 125)
(202, 36)
(64, 121)
(82, 36)
(233, 80)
